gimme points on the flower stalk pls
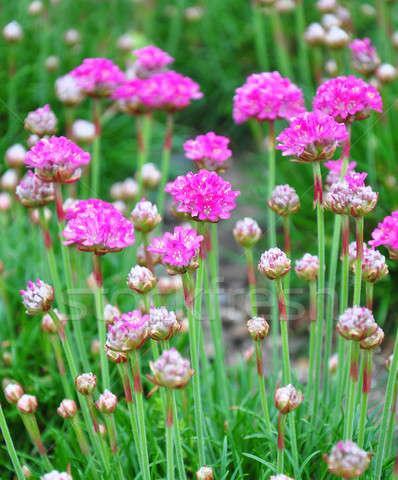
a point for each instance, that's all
(10, 446)
(165, 163)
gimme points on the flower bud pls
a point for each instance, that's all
(128, 332)
(150, 176)
(280, 476)
(287, 398)
(38, 297)
(337, 198)
(247, 232)
(285, 6)
(13, 392)
(374, 266)
(9, 180)
(141, 279)
(107, 402)
(72, 37)
(5, 201)
(347, 460)
(67, 408)
(32, 140)
(363, 201)
(145, 216)
(111, 312)
(307, 267)
(258, 328)
(274, 263)
(41, 121)
(205, 473)
(52, 63)
(27, 404)
(35, 8)
(373, 341)
(83, 131)
(386, 73)
(48, 325)
(15, 155)
(55, 475)
(13, 32)
(33, 192)
(26, 471)
(68, 91)
(169, 284)
(125, 191)
(35, 215)
(284, 200)
(162, 324)
(171, 370)
(333, 363)
(86, 383)
(336, 38)
(356, 323)
(330, 20)
(326, 6)
(125, 42)
(315, 34)
(115, 357)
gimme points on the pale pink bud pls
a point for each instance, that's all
(386, 73)
(67, 408)
(150, 175)
(13, 392)
(284, 200)
(285, 6)
(9, 180)
(336, 37)
(26, 471)
(107, 402)
(68, 91)
(307, 267)
(86, 383)
(315, 34)
(141, 279)
(15, 155)
(287, 399)
(347, 460)
(27, 404)
(333, 363)
(280, 476)
(41, 121)
(5, 201)
(55, 475)
(13, 32)
(125, 42)
(32, 140)
(95, 347)
(35, 215)
(257, 327)
(110, 313)
(83, 131)
(326, 6)
(356, 323)
(145, 216)
(274, 263)
(169, 284)
(162, 324)
(72, 37)
(171, 370)
(247, 232)
(48, 325)
(363, 201)
(205, 473)
(52, 63)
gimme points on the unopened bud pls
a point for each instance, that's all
(86, 383)
(258, 328)
(247, 232)
(205, 473)
(274, 263)
(13, 392)
(107, 402)
(67, 408)
(287, 399)
(27, 404)
(141, 279)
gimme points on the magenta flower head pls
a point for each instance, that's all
(284, 200)
(205, 196)
(335, 170)
(128, 332)
(33, 192)
(98, 77)
(209, 151)
(267, 96)
(356, 323)
(41, 121)
(274, 263)
(151, 60)
(135, 96)
(312, 137)
(97, 226)
(57, 159)
(247, 232)
(364, 56)
(386, 234)
(38, 297)
(347, 99)
(163, 323)
(347, 460)
(179, 249)
(307, 267)
(171, 370)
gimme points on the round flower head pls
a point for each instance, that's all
(307, 267)
(128, 332)
(38, 297)
(41, 121)
(326, 6)
(347, 99)
(364, 56)
(274, 263)
(150, 175)
(386, 234)
(209, 151)
(13, 32)
(335, 173)
(284, 200)
(363, 200)
(257, 327)
(247, 232)
(205, 473)
(373, 341)
(33, 192)
(178, 249)
(72, 37)
(67, 408)
(9, 180)
(68, 91)
(145, 216)
(13, 392)
(315, 34)
(162, 324)
(337, 198)
(141, 279)
(106, 402)
(312, 137)
(267, 97)
(171, 370)
(48, 325)
(287, 399)
(52, 63)
(280, 476)
(83, 131)
(205, 196)
(386, 73)
(57, 159)
(5, 201)
(356, 323)
(135, 96)
(15, 155)
(150, 60)
(374, 265)
(27, 404)
(97, 226)
(336, 37)
(86, 383)
(126, 190)
(98, 77)
(56, 475)
(347, 460)
(111, 312)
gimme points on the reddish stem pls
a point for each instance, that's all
(281, 439)
(251, 274)
(259, 362)
(367, 379)
(169, 417)
(345, 235)
(47, 238)
(97, 272)
(281, 304)
(354, 370)
(137, 383)
(59, 202)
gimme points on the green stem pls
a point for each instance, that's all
(261, 383)
(111, 429)
(366, 383)
(169, 436)
(350, 410)
(304, 61)
(178, 442)
(260, 38)
(311, 373)
(280, 42)
(30, 422)
(95, 166)
(165, 165)
(251, 278)
(81, 438)
(281, 443)
(10, 446)
(287, 375)
(144, 126)
(358, 262)
(56, 345)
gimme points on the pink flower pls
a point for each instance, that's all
(98, 76)
(150, 60)
(355, 179)
(178, 249)
(41, 121)
(204, 195)
(209, 151)
(57, 159)
(97, 226)
(311, 137)
(267, 96)
(334, 167)
(33, 192)
(128, 332)
(347, 98)
(386, 234)
(364, 55)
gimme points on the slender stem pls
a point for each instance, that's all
(10, 446)
(366, 385)
(304, 61)
(251, 279)
(96, 160)
(281, 442)
(369, 287)
(358, 261)
(287, 249)
(144, 125)
(261, 382)
(56, 346)
(260, 37)
(111, 429)
(169, 436)
(81, 438)
(280, 42)
(30, 422)
(287, 375)
(350, 410)
(311, 373)
(177, 440)
(165, 165)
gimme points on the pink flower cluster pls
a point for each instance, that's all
(97, 226)
(177, 249)
(312, 136)
(209, 151)
(33, 192)
(386, 234)
(364, 55)
(150, 60)
(57, 159)
(347, 98)
(98, 76)
(128, 332)
(169, 91)
(267, 96)
(204, 196)
(41, 121)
